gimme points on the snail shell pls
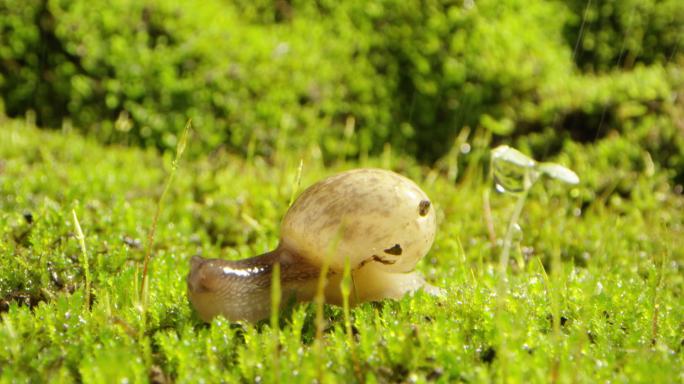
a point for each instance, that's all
(377, 215)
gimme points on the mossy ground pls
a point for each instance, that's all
(595, 286)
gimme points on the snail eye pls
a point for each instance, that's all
(424, 207)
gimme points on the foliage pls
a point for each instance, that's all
(594, 288)
(131, 70)
(622, 33)
(618, 287)
(346, 77)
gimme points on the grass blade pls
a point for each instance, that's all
(86, 267)
(180, 148)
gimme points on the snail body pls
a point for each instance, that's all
(379, 222)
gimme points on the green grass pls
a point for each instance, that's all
(595, 287)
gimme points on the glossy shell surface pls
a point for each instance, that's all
(368, 215)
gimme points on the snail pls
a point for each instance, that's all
(380, 221)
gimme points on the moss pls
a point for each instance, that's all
(346, 77)
(618, 285)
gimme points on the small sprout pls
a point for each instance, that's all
(510, 155)
(558, 172)
(513, 171)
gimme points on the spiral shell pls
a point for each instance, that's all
(366, 215)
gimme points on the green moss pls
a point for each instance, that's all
(619, 283)
(346, 77)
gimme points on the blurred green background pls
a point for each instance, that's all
(350, 76)
(97, 93)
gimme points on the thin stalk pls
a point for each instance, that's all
(656, 287)
(319, 300)
(502, 285)
(297, 182)
(180, 148)
(320, 322)
(551, 285)
(508, 240)
(276, 296)
(86, 267)
(487, 210)
(349, 127)
(345, 288)
(386, 156)
(556, 311)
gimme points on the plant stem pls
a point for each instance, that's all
(487, 210)
(508, 240)
(297, 182)
(556, 311)
(345, 288)
(180, 148)
(86, 267)
(276, 296)
(320, 322)
(502, 285)
(319, 299)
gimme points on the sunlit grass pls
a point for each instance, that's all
(597, 298)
